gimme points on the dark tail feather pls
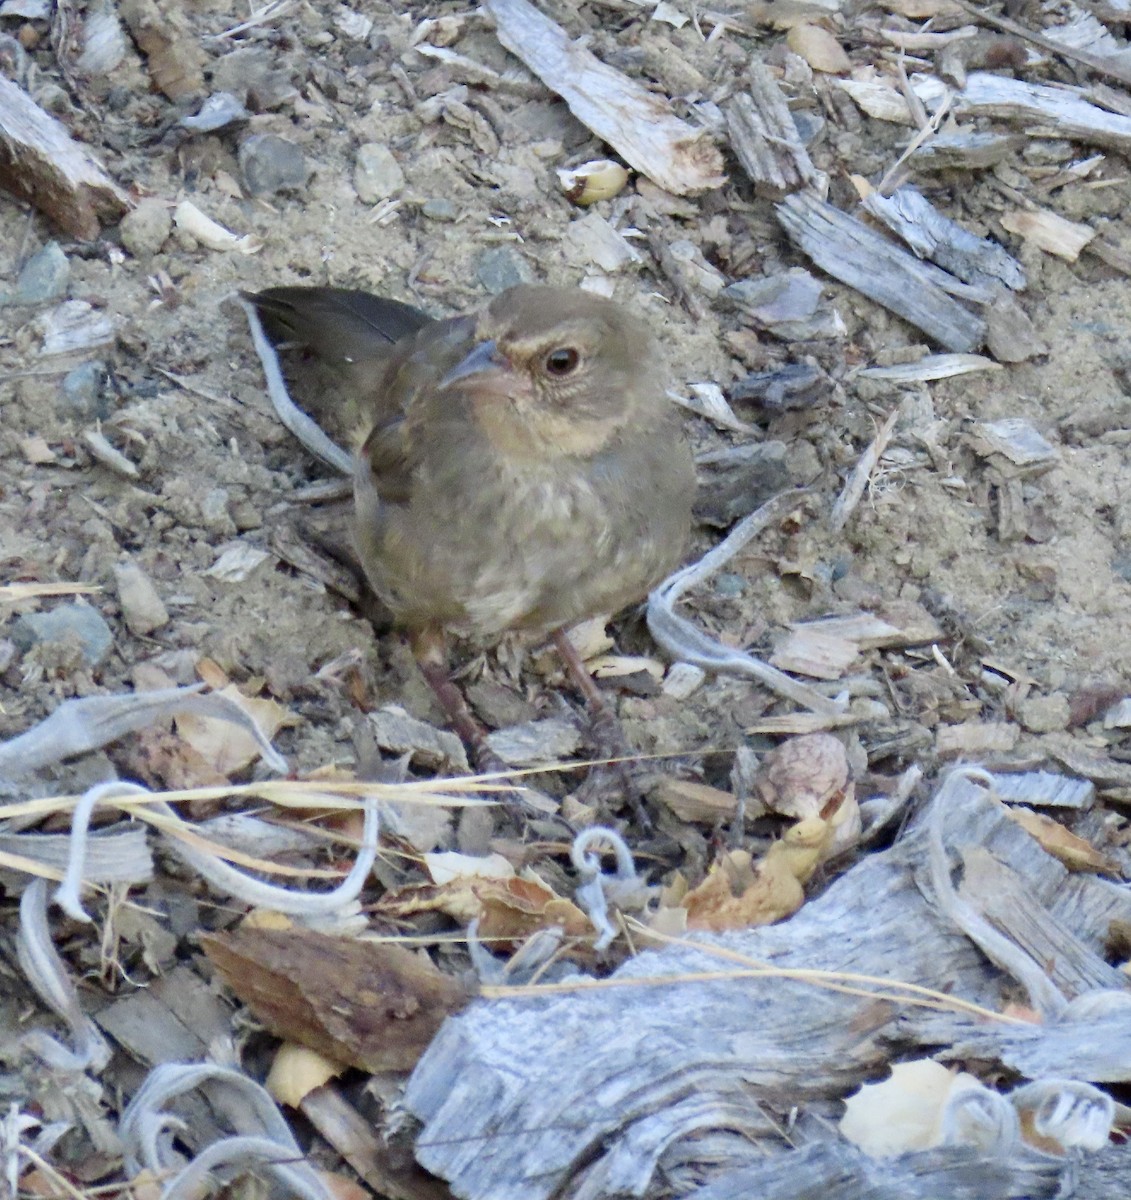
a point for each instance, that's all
(340, 325)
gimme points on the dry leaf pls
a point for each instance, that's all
(1074, 852)
(508, 910)
(450, 865)
(225, 747)
(739, 894)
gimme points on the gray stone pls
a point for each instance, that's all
(44, 277)
(249, 73)
(729, 585)
(439, 209)
(500, 268)
(214, 513)
(376, 173)
(145, 230)
(74, 623)
(80, 393)
(1045, 714)
(142, 609)
(271, 164)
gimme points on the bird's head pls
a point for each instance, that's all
(567, 368)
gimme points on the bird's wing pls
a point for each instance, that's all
(402, 403)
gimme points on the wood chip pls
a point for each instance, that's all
(933, 236)
(108, 455)
(858, 256)
(1015, 440)
(432, 748)
(695, 802)
(902, 623)
(964, 150)
(975, 737)
(1042, 111)
(931, 366)
(765, 140)
(75, 326)
(1049, 231)
(816, 654)
(637, 123)
(1045, 790)
(535, 742)
(40, 162)
(374, 1006)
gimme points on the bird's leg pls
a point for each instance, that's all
(607, 731)
(476, 825)
(431, 654)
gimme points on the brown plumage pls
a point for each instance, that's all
(521, 468)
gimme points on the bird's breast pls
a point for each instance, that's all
(486, 544)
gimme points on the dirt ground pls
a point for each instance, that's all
(216, 468)
(1032, 606)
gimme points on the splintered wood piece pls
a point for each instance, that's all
(849, 251)
(1003, 897)
(765, 141)
(976, 260)
(1043, 111)
(637, 123)
(370, 1004)
(40, 162)
(964, 150)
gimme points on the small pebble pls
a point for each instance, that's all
(1045, 714)
(75, 623)
(80, 393)
(145, 230)
(439, 209)
(500, 268)
(729, 585)
(271, 164)
(142, 608)
(44, 277)
(376, 173)
(214, 513)
(682, 679)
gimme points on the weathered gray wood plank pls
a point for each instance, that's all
(848, 250)
(582, 1095)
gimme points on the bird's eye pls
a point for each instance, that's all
(562, 361)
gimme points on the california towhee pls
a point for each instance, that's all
(520, 468)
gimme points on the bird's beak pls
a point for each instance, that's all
(483, 363)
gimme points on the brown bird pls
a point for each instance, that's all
(520, 468)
